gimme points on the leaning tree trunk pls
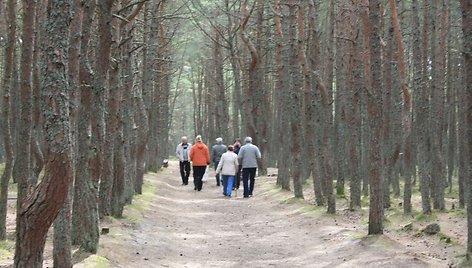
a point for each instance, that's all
(41, 207)
(5, 118)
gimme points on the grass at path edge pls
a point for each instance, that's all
(133, 214)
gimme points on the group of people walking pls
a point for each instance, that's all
(230, 162)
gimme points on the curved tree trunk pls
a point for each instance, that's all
(41, 207)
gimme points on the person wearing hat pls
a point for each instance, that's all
(248, 156)
(217, 151)
(200, 157)
(183, 151)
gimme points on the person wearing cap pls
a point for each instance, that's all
(228, 167)
(217, 151)
(200, 157)
(183, 151)
(248, 156)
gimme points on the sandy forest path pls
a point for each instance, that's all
(184, 228)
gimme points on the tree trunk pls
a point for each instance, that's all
(42, 206)
(22, 168)
(312, 112)
(37, 157)
(467, 30)
(353, 117)
(422, 110)
(62, 253)
(406, 117)
(113, 127)
(5, 118)
(283, 178)
(295, 101)
(437, 113)
(374, 98)
(85, 229)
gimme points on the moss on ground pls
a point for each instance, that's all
(7, 250)
(95, 261)
(134, 213)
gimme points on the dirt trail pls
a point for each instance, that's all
(184, 228)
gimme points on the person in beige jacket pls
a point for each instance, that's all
(228, 167)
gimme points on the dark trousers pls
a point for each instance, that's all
(198, 172)
(184, 171)
(237, 178)
(218, 179)
(249, 177)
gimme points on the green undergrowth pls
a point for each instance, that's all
(133, 214)
(143, 201)
(465, 262)
(95, 261)
(7, 250)
(286, 198)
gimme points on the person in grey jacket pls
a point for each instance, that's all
(183, 151)
(216, 152)
(248, 156)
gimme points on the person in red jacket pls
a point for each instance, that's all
(200, 157)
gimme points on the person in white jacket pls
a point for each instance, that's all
(228, 167)
(183, 152)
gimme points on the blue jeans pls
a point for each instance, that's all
(227, 184)
(249, 177)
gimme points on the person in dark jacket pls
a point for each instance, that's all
(237, 178)
(217, 151)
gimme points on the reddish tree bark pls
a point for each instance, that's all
(5, 118)
(22, 168)
(39, 210)
(283, 178)
(295, 101)
(374, 99)
(406, 117)
(62, 252)
(467, 30)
